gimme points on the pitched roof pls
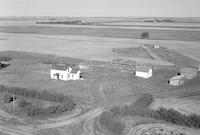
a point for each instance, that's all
(143, 68)
(177, 77)
(74, 70)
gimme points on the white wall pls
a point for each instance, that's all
(64, 75)
(144, 74)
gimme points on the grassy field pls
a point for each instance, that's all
(100, 86)
(173, 56)
(105, 32)
(132, 52)
(103, 87)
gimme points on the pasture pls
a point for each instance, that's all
(129, 33)
(35, 47)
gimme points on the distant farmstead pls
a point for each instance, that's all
(143, 71)
(64, 72)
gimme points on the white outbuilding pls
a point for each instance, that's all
(176, 80)
(64, 72)
(156, 46)
(143, 71)
(83, 66)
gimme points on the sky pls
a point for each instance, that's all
(163, 8)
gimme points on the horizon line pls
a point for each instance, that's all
(107, 16)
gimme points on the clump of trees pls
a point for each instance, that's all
(145, 100)
(175, 117)
(107, 121)
(36, 111)
(145, 35)
(65, 102)
(137, 108)
(5, 58)
(31, 93)
(140, 108)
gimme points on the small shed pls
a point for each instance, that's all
(143, 71)
(176, 80)
(83, 66)
(156, 46)
(188, 73)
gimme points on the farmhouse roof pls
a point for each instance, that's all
(143, 68)
(74, 70)
(177, 77)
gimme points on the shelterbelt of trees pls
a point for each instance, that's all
(140, 108)
(64, 103)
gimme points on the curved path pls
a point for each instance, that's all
(91, 113)
(21, 129)
(162, 129)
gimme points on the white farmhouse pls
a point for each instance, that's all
(64, 72)
(143, 71)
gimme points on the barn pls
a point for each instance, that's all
(189, 73)
(143, 71)
(176, 80)
(64, 72)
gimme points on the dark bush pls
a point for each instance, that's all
(107, 120)
(43, 95)
(5, 58)
(145, 100)
(145, 35)
(23, 104)
(8, 98)
(36, 111)
(137, 108)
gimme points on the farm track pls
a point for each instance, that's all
(151, 53)
(32, 130)
(91, 113)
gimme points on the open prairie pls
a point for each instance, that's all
(33, 48)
